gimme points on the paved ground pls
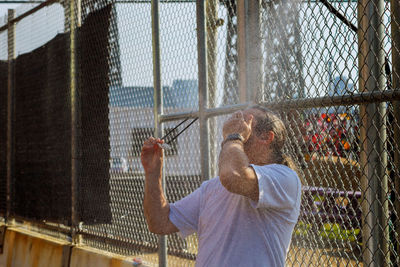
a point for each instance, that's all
(297, 257)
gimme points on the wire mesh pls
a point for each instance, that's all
(347, 155)
(326, 141)
(178, 46)
(126, 119)
(228, 57)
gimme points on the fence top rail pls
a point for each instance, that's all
(49, 2)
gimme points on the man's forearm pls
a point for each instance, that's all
(234, 171)
(156, 208)
(232, 163)
(232, 158)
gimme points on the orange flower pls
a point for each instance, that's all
(346, 145)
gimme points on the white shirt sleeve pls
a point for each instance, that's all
(184, 214)
(279, 187)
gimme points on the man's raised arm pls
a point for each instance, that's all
(235, 172)
(156, 207)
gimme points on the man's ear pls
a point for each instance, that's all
(267, 137)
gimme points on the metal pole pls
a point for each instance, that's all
(10, 109)
(395, 25)
(212, 33)
(329, 101)
(254, 55)
(158, 108)
(203, 89)
(249, 50)
(241, 41)
(212, 30)
(375, 216)
(75, 120)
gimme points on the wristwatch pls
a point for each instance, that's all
(232, 137)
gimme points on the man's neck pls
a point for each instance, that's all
(261, 160)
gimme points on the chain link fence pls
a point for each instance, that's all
(84, 83)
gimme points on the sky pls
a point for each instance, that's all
(4, 8)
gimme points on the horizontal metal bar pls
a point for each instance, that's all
(327, 101)
(29, 12)
(330, 101)
(211, 112)
(178, 116)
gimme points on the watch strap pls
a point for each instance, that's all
(233, 137)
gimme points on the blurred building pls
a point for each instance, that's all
(131, 121)
(340, 86)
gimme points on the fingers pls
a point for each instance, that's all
(250, 121)
(151, 154)
(239, 122)
(238, 115)
(152, 142)
(236, 119)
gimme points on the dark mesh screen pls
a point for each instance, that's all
(94, 179)
(42, 183)
(42, 186)
(3, 136)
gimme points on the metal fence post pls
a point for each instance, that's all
(212, 33)
(10, 109)
(203, 89)
(395, 25)
(249, 49)
(375, 217)
(75, 127)
(158, 109)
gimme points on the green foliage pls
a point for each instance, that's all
(302, 228)
(332, 231)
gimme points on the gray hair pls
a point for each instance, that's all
(270, 121)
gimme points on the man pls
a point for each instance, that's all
(246, 215)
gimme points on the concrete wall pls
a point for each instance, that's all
(22, 248)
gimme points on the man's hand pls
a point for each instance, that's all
(152, 156)
(238, 124)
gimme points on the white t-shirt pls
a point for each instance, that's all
(233, 230)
